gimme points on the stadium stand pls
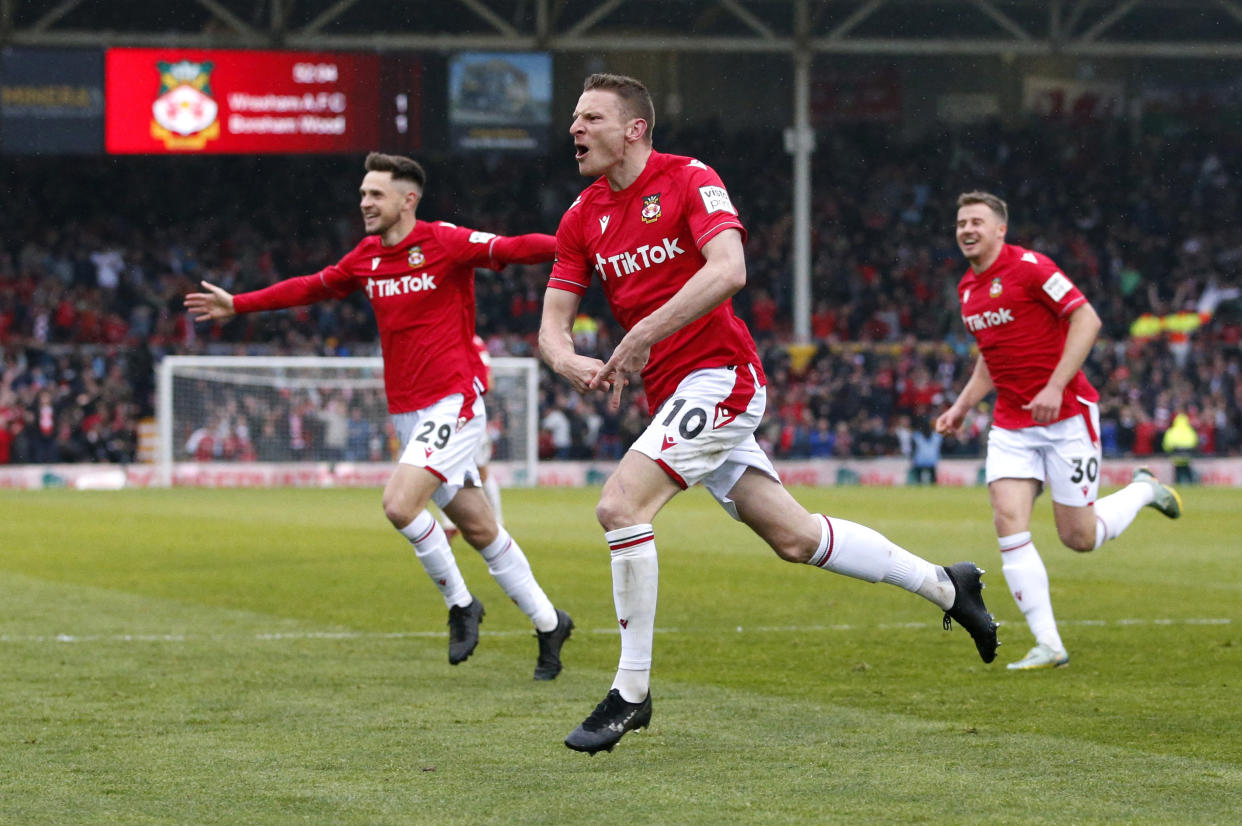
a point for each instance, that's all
(95, 259)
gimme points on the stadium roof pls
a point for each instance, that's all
(1094, 28)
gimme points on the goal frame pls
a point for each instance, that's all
(167, 368)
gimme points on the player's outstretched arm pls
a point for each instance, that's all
(535, 248)
(216, 303)
(556, 340)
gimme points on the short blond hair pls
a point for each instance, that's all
(989, 200)
(635, 98)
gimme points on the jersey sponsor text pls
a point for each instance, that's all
(990, 318)
(628, 263)
(388, 287)
(1057, 286)
(716, 199)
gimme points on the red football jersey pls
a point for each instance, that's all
(1017, 310)
(644, 244)
(422, 293)
(480, 347)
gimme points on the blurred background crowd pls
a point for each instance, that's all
(97, 254)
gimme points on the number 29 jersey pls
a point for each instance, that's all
(645, 243)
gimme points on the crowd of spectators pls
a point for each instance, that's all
(96, 255)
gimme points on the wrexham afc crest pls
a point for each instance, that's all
(416, 257)
(651, 208)
(185, 116)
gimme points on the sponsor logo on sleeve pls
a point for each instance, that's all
(716, 199)
(1057, 286)
(481, 237)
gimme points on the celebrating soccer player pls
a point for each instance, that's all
(1035, 329)
(419, 277)
(666, 243)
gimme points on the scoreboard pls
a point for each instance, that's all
(186, 101)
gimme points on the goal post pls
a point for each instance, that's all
(298, 410)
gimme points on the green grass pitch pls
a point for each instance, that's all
(277, 656)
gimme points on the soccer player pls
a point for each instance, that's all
(1035, 329)
(665, 241)
(419, 277)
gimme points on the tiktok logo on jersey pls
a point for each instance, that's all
(388, 287)
(991, 318)
(628, 263)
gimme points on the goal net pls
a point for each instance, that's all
(299, 411)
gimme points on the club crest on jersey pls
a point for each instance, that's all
(416, 257)
(995, 289)
(651, 208)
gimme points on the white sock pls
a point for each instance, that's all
(863, 553)
(635, 586)
(432, 549)
(1027, 579)
(491, 489)
(508, 566)
(1115, 512)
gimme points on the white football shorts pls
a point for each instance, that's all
(436, 439)
(1064, 456)
(705, 431)
(483, 453)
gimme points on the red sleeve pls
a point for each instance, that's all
(523, 249)
(709, 210)
(475, 248)
(1049, 286)
(570, 272)
(330, 282)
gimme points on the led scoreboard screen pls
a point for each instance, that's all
(186, 101)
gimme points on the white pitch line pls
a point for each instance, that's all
(277, 636)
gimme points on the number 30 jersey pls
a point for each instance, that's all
(1018, 310)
